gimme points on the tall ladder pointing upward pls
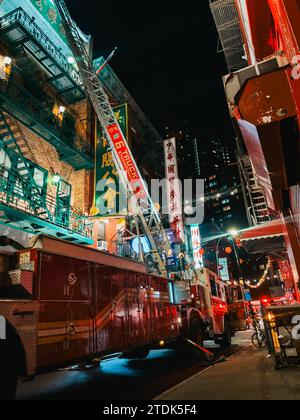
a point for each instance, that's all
(111, 128)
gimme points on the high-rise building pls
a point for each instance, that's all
(216, 163)
(224, 200)
(187, 150)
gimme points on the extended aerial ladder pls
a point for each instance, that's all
(124, 160)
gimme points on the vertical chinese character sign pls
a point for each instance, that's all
(196, 246)
(105, 169)
(174, 189)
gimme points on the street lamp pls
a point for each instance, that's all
(233, 232)
(218, 252)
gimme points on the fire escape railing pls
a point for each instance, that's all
(20, 98)
(28, 23)
(226, 18)
(14, 195)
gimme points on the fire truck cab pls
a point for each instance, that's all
(204, 297)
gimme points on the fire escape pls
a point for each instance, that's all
(227, 22)
(258, 207)
(25, 199)
(25, 40)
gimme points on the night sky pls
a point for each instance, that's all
(167, 58)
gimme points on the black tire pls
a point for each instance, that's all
(259, 343)
(8, 384)
(196, 333)
(12, 363)
(136, 354)
(226, 341)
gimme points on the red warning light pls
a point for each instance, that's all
(265, 301)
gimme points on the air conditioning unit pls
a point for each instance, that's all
(102, 246)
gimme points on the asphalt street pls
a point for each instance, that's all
(122, 379)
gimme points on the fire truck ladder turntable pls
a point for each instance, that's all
(103, 109)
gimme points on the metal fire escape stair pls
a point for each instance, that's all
(31, 189)
(26, 206)
(19, 136)
(39, 118)
(258, 203)
(103, 109)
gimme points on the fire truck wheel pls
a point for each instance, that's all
(12, 363)
(226, 341)
(196, 333)
(136, 354)
(8, 385)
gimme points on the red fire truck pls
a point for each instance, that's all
(64, 303)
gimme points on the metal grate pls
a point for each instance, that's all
(228, 25)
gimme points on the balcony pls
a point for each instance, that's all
(20, 31)
(38, 116)
(18, 210)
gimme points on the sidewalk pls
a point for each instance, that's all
(248, 375)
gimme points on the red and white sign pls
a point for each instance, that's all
(174, 189)
(127, 161)
(196, 244)
(286, 274)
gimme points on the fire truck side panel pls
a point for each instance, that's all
(79, 343)
(154, 299)
(144, 309)
(52, 334)
(119, 310)
(103, 308)
(165, 315)
(78, 280)
(135, 332)
(53, 277)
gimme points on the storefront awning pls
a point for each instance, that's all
(271, 229)
(267, 238)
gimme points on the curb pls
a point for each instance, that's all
(197, 375)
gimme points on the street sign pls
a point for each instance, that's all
(224, 269)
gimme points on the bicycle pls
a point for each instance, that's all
(259, 339)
